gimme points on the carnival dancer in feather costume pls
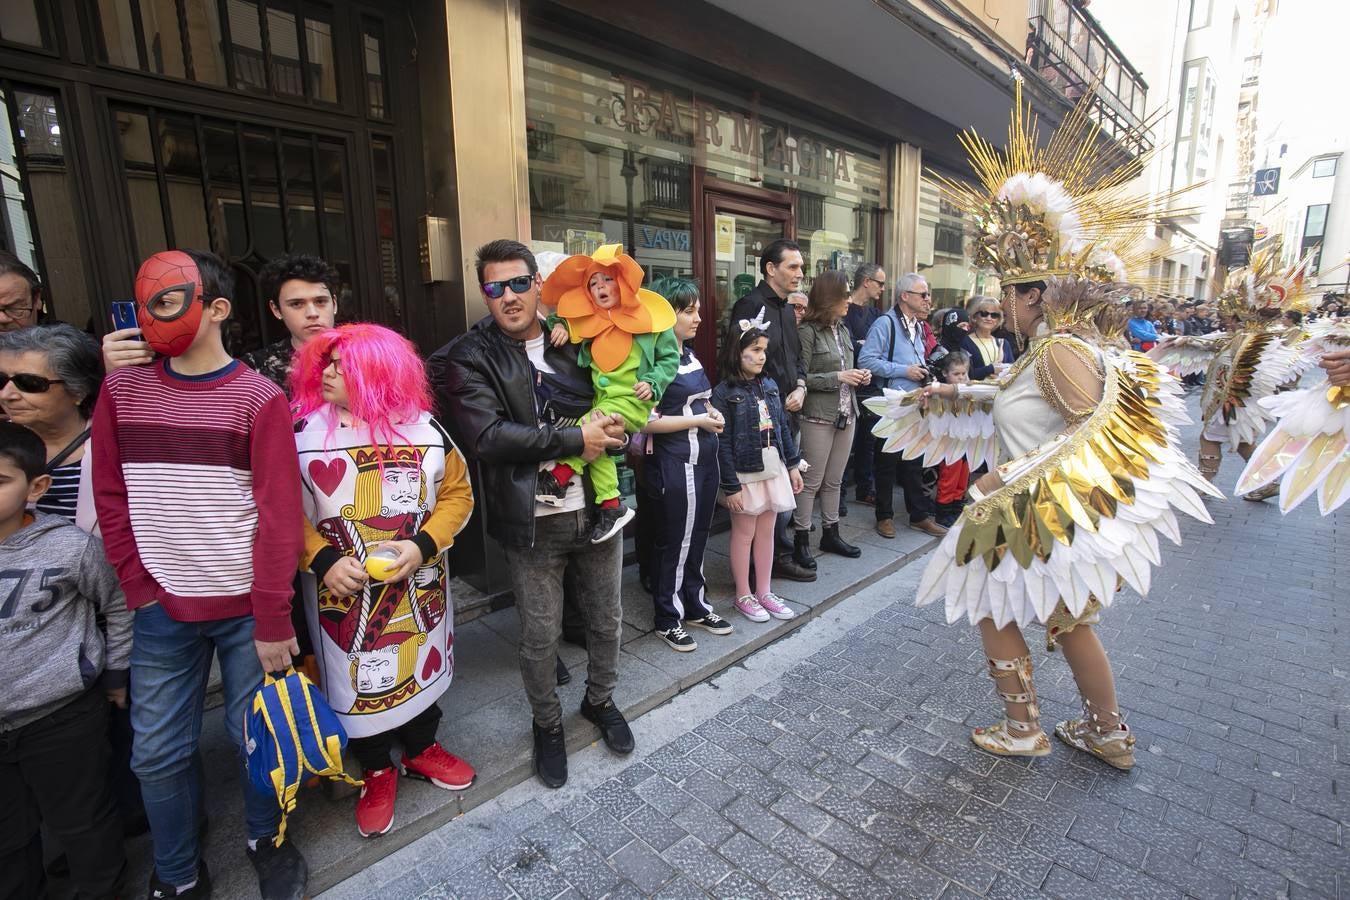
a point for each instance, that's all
(1094, 475)
(1308, 451)
(1245, 363)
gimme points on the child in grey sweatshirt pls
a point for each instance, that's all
(59, 671)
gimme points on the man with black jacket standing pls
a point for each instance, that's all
(503, 392)
(781, 266)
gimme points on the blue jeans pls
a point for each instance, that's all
(170, 663)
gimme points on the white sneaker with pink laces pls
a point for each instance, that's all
(749, 607)
(774, 606)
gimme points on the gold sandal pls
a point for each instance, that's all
(1113, 745)
(1013, 737)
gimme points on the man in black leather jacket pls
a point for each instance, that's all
(513, 402)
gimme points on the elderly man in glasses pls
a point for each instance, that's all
(896, 351)
(20, 294)
(517, 404)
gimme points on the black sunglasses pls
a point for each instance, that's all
(495, 290)
(989, 314)
(923, 294)
(29, 383)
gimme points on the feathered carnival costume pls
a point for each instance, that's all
(1308, 451)
(1090, 482)
(1249, 361)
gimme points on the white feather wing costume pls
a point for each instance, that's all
(1308, 451)
(1077, 516)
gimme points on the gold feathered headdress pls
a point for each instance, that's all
(1065, 207)
(1261, 290)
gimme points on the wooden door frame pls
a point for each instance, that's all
(711, 195)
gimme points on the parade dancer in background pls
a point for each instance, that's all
(1246, 362)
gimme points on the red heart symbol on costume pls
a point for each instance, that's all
(432, 665)
(327, 475)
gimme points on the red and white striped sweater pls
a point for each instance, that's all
(198, 494)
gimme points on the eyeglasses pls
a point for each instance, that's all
(16, 312)
(29, 383)
(335, 362)
(924, 294)
(495, 290)
(877, 282)
(989, 314)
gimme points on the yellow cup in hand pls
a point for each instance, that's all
(381, 563)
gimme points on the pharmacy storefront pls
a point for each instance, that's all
(694, 181)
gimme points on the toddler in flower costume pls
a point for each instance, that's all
(632, 353)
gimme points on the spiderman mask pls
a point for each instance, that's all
(169, 302)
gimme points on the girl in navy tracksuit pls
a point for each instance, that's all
(680, 484)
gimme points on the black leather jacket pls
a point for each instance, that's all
(485, 398)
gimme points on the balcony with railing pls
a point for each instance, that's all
(1069, 49)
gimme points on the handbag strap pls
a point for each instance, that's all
(70, 448)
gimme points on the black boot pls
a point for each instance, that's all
(831, 542)
(801, 550)
(948, 513)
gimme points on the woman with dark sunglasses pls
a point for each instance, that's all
(989, 353)
(49, 379)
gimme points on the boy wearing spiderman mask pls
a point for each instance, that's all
(198, 498)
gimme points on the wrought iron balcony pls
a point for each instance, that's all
(1071, 51)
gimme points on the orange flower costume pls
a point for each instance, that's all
(628, 343)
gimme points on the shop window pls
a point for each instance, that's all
(38, 201)
(612, 156)
(841, 236)
(246, 193)
(944, 256)
(23, 22)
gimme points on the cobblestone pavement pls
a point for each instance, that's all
(851, 773)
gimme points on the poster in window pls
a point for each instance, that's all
(725, 232)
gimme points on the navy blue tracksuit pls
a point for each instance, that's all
(681, 478)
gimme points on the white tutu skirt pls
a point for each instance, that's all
(770, 495)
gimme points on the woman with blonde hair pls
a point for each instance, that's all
(989, 353)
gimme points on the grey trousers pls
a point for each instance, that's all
(825, 449)
(562, 544)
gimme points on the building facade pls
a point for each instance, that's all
(1196, 55)
(393, 138)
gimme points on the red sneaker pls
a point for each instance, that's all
(441, 768)
(375, 806)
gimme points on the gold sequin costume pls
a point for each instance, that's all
(1095, 475)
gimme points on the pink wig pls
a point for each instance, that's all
(386, 379)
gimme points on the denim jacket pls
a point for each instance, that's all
(738, 447)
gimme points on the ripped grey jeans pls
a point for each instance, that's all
(561, 542)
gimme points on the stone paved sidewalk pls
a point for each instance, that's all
(851, 774)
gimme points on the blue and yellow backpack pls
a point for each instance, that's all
(291, 733)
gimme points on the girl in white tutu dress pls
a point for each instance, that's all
(759, 461)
